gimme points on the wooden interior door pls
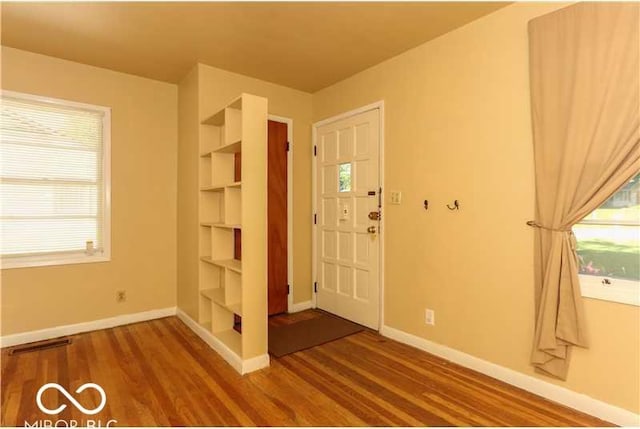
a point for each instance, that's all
(277, 217)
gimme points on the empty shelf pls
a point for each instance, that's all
(220, 188)
(213, 188)
(234, 147)
(215, 295)
(221, 225)
(217, 119)
(231, 339)
(235, 308)
(231, 264)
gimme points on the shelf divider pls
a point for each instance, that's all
(230, 264)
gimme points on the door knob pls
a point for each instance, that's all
(371, 229)
(374, 215)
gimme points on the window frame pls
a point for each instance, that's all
(621, 291)
(76, 257)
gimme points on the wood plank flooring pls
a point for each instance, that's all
(159, 373)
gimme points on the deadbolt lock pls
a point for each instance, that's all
(374, 215)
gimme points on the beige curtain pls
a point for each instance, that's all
(585, 98)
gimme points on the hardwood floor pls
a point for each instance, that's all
(159, 373)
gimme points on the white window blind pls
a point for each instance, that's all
(52, 191)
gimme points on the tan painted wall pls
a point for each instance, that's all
(458, 127)
(188, 185)
(216, 88)
(144, 178)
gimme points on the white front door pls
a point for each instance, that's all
(348, 210)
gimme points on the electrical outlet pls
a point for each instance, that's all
(396, 197)
(429, 317)
(121, 296)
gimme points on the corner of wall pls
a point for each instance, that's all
(187, 229)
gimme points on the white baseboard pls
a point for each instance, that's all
(242, 366)
(300, 306)
(547, 390)
(255, 363)
(61, 331)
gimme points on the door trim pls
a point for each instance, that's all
(289, 123)
(379, 106)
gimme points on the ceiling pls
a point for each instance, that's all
(306, 46)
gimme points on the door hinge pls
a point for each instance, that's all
(315, 287)
(288, 146)
(288, 289)
(315, 150)
(315, 218)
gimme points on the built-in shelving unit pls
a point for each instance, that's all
(232, 213)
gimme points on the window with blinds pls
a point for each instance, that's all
(53, 192)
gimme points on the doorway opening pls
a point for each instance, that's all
(279, 217)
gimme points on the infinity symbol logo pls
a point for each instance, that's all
(71, 398)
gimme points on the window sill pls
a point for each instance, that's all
(620, 291)
(51, 260)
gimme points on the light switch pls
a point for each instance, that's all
(396, 197)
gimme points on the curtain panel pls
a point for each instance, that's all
(585, 100)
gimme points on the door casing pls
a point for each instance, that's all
(379, 106)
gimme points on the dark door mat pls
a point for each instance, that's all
(287, 339)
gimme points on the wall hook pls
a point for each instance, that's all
(426, 204)
(456, 206)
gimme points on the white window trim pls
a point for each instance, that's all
(620, 291)
(52, 259)
(67, 258)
